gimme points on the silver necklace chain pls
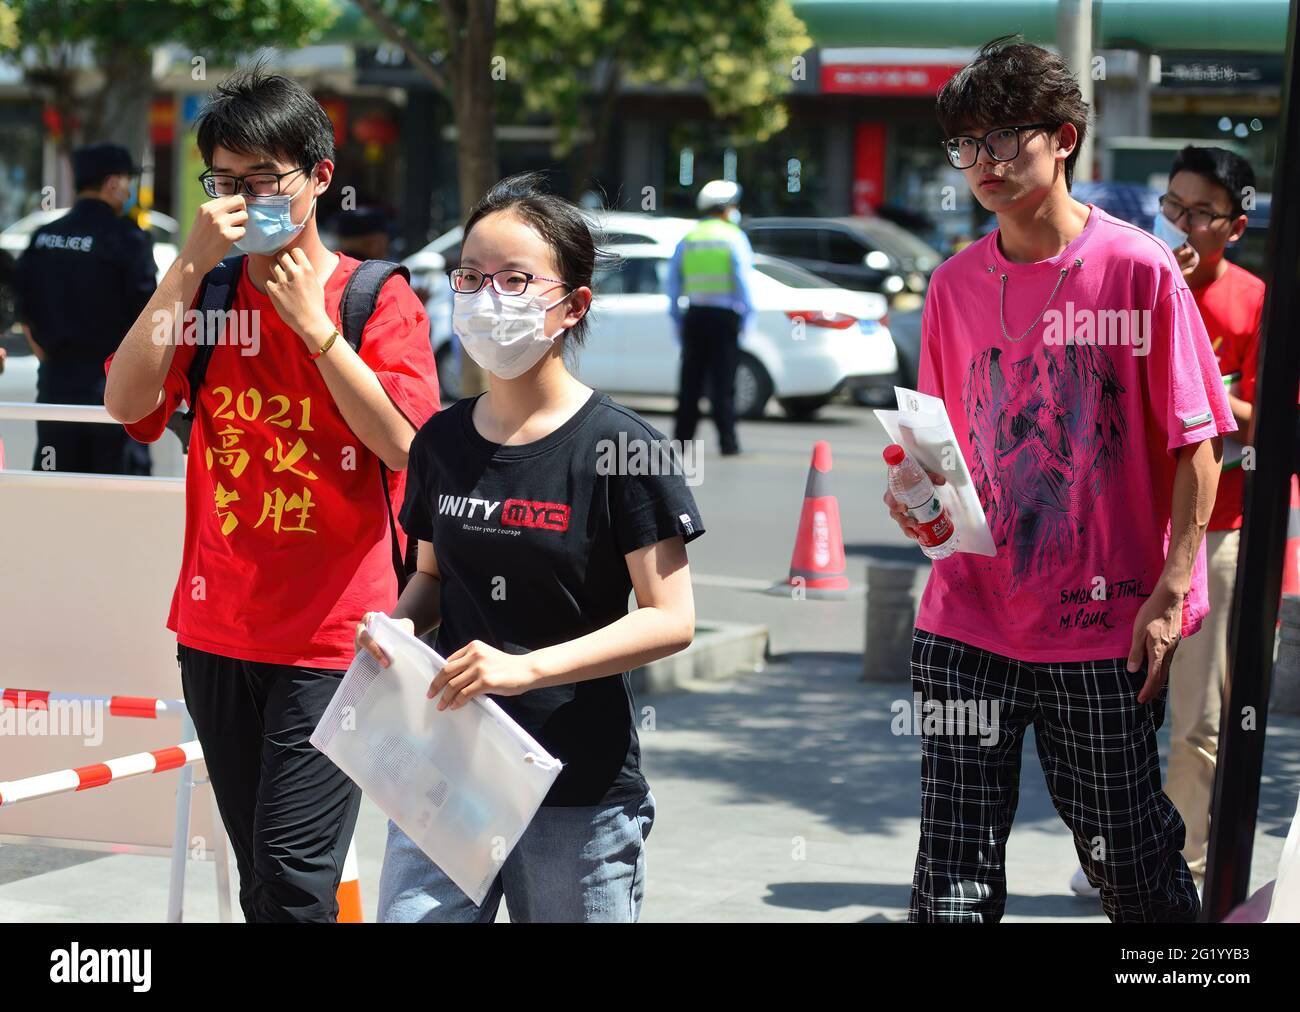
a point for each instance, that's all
(1002, 296)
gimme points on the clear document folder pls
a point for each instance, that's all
(462, 784)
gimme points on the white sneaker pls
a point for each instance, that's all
(1080, 886)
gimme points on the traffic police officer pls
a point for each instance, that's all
(711, 267)
(81, 283)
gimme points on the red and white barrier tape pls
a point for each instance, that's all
(98, 774)
(118, 706)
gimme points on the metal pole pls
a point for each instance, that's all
(221, 858)
(1074, 39)
(181, 832)
(1259, 566)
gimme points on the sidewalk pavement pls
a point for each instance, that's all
(782, 796)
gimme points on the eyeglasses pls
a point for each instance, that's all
(255, 184)
(1173, 210)
(467, 281)
(1002, 144)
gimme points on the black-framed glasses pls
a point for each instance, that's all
(1196, 218)
(255, 184)
(467, 281)
(1002, 144)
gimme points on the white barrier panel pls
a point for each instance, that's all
(87, 568)
(18, 415)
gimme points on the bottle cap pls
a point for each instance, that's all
(894, 454)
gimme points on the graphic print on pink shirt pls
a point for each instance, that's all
(1047, 436)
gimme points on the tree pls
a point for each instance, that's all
(451, 43)
(570, 59)
(8, 29)
(743, 54)
(62, 38)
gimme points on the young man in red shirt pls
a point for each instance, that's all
(287, 537)
(1206, 201)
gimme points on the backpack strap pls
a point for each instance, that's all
(357, 305)
(356, 308)
(216, 295)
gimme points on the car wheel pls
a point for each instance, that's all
(753, 387)
(802, 409)
(448, 373)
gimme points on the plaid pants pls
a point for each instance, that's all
(1097, 746)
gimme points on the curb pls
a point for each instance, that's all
(719, 651)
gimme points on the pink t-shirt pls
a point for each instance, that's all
(1069, 435)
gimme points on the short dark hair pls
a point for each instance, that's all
(255, 112)
(1010, 82)
(558, 221)
(94, 181)
(1220, 166)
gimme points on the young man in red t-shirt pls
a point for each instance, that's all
(287, 539)
(1208, 188)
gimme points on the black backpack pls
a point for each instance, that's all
(217, 294)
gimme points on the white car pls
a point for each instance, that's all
(808, 339)
(163, 228)
(428, 265)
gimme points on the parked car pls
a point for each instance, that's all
(429, 264)
(905, 329)
(428, 267)
(865, 254)
(809, 340)
(914, 254)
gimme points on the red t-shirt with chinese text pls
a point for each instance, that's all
(287, 541)
(1231, 308)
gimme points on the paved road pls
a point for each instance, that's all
(782, 795)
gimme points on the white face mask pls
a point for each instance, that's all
(504, 335)
(1169, 233)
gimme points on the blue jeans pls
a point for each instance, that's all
(571, 865)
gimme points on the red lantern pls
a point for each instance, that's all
(375, 130)
(337, 110)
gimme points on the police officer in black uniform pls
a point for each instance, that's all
(81, 283)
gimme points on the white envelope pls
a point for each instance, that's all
(462, 784)
(922, 428)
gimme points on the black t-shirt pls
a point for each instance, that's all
(530, 542)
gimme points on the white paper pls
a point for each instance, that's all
(922, 428)
(463, 784)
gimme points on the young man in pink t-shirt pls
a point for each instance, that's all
(1087, 404)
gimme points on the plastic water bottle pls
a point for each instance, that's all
(912, 487)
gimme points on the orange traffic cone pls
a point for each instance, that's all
(818, 559)
(1291, 556)
(349, 894)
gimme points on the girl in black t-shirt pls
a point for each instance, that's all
(538, 507)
